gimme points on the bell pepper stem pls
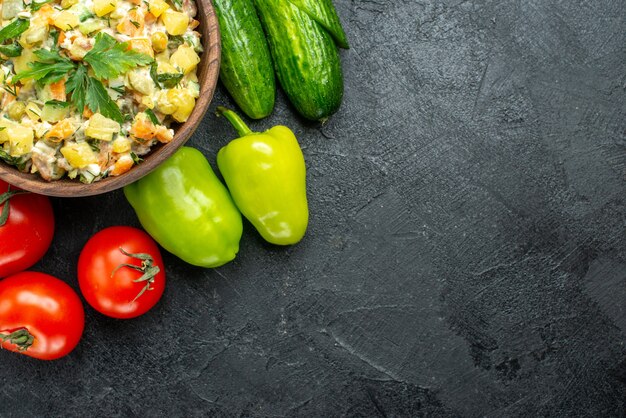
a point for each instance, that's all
(234, 119)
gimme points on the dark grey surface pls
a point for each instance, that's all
(466, 253)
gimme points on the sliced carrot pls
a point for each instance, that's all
(61, 37)
(87, 113)
(142, 127)
(141, 45)
(122, 165)
(163, 134)
(133, 23)
(60, 131)
(57, 90)
(47, 12)
(150, 18)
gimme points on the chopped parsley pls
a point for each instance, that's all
(108, 59)
(49, 68)
(13, 50)
(14, 29)
(152, 117)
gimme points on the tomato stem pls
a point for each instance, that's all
(147, 267)
(21, 338)
(4, 198)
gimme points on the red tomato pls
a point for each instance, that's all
(40, 315)
(109, 284)
(27, 232)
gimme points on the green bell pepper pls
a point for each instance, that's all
(185, 208)
(266, 175)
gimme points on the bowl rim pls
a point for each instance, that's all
(208, 75)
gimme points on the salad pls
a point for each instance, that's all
(89, 86)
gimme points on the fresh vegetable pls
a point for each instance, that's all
(187, 210)
(305, 58)
(246, 69)
(40, 316)
(324, 13)
(266, 175)
(26, 228)
(120, 272)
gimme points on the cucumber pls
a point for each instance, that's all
(246, 69)
(305, 57)
(54, 111)
(324, 13)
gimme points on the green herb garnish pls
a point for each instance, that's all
(57, 103)
(51, 67)
(136, 159)
(152, 117)
(90, 92)
(13, 50)
(36, 5)
(109, 59)
(169, 80)
(14, 29)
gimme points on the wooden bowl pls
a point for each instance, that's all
(208, 71)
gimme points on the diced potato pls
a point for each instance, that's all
(140, 81)
(65, 20)
(20, 140)
(175, 22)
(4, 124)
(184, 102)
(79, 154)
(17, 110)
(102, 128)
(162, 56)
(21, 63)
(104, 7)
(148, 102)
(164, 67)
(185, 58)
(33, 111)
(157, 7)
(121, 144)
(163, 104)
(66, 4)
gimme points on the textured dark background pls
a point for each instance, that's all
(466, 253)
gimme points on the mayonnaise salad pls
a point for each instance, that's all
(89, 86)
